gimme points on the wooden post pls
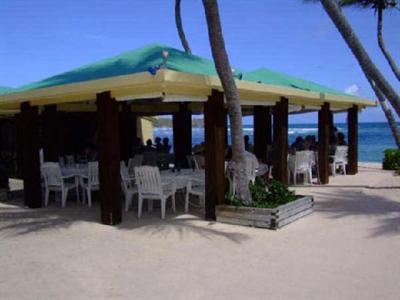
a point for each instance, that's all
(109, 161)
(30, 156)
(352, 122)
(280, 144)
(50, 133)
(214, 123)
(19, 145)
(182, 134)
(324, 125)
(262, 125)
(128, 131)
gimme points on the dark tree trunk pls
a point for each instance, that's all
(232, 97)
(370, 70)
(179, 27)
(381, 44)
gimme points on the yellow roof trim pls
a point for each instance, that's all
(172, 82)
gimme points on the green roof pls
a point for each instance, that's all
(267, 76)
(140, 60)
(5, 89)
(136, 61)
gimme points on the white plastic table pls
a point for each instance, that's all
(182, 177)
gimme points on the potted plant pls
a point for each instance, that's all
(272, 207)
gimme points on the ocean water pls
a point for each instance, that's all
(373, 138)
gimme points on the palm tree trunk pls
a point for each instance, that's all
(370, 70)
(179, 26)
(381, 44)
(388, 113)
(232, 97)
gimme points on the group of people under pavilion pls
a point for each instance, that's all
(182, 86)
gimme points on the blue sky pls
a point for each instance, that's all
(45, 37)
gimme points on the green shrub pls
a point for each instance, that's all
(277, 194)
(391, 160)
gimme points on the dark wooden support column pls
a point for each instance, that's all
(352, 122)
(324, 126)
(19, 145)
(214, 123)
(261, 127)
(182, 128)
(280, 143)
(109, 160)
(50, 133)
(128, 131)
(30, 155)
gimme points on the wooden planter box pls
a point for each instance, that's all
(271, 218)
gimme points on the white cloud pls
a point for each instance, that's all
(352, 90)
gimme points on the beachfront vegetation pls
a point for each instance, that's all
(275, 195)
(391, 160)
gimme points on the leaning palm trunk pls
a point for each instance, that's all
(370, 70)
(179, 26)
(388, 113)
(232, 98)
(385, 52)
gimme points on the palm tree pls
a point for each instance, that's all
(370, 70)
(379, 6)
(179, 26)
(388, 113)
(224, 71)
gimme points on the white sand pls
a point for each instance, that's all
(349, 248)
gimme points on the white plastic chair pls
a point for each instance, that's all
(136, 161)
(192, 162)
(41, 156)
(90, 182)
(128, 186)
(339, 159)
(61, 161)
(302, 164)
(195, 187)
(150, 187)
(55, 182)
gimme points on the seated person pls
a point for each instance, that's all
(138, 146)
(340, 139)
(310, 143)
(247, 145)
(297, 145)
(199, 149)
(166, 147)
(158, 145)
(149, 146)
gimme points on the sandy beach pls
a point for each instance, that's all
(347, 249)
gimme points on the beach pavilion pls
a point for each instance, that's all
(157, 80)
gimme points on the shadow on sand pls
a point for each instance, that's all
(358, 202)
(16, 220)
